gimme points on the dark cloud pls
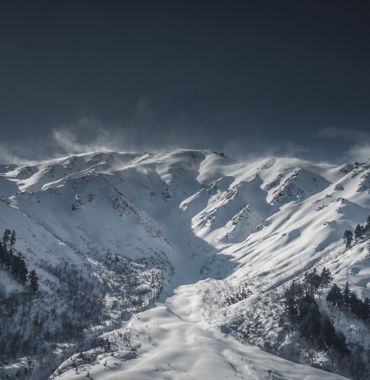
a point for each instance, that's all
(241, 76)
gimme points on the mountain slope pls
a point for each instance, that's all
(172, 231)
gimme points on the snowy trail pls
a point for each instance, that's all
(183, 346)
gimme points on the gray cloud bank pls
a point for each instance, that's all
(90, 134)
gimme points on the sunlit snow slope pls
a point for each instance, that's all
(203, 217)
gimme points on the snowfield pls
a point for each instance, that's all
(177, 344)
(163, 239)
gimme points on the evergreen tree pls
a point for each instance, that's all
(367, 227)
(341, 345)
(312, 282)
(327, 332)
(6, 237)
(292, 296)
(2, 255)
(34, 282)
(12, 239)
(359, 231)
(348, 238)
(363, 309)
(309, 326)
(326, 277)
(346, 297)
(7, 258)
(19, 269)
(354, 303)
(366, 307)
(335, 296)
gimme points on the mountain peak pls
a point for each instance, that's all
(194, 237)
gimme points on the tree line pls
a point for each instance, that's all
(360, 232)
(302, 312)
(13, 262)
(347, 300)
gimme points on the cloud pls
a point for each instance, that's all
(262, 149)
(141, 132)
(359, 151)
(90, 135)
(138, 132)
(358, 142)
(85, 136)
(9, 157)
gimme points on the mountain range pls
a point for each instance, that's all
(176, 265)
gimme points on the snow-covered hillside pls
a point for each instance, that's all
(155, 245)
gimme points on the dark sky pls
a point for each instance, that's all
(242, 76)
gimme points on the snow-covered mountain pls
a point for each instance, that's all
(173, 265)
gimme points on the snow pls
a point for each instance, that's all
(176, 344)
(208, 217)
(7, 188)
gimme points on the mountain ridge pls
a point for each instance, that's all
(154, 228)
